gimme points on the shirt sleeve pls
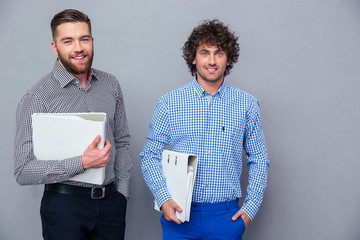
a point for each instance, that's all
(158, 136)
(27, 169)
(123, 162)
(257, 160)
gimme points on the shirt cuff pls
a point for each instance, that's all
(250, 209)
(73, 166)
(123, 187)
(161, 197)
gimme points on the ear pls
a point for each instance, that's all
(53, 46)
(194, 61)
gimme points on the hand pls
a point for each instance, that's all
(169, 208)
(244, 216)
(94, 157)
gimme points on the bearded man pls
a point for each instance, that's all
(71, 209)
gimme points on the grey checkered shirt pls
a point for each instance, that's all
(60, 92)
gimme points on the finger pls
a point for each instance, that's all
(175, 206)
(178, 208)
(108, 156)
(169, 208)
(236, 216)
(107, 146)
(173, 217)
(106, 159)
(176, 220)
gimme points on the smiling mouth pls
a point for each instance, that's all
(79, 58)
(211, 69)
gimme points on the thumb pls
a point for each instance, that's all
(178, 208)
(96, 141)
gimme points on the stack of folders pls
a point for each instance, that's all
(58, 136)
(179, 170)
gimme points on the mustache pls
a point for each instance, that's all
(78, 53)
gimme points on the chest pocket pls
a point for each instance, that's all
(229, 136)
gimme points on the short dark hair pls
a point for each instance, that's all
(68, 15)
(214, 33)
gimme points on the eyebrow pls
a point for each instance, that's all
(66, 38)
(205, 50)
(70, 38)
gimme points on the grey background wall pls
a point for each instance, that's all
(301, 59)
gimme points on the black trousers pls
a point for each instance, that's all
(72, 217)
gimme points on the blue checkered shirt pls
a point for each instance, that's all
(215, 128)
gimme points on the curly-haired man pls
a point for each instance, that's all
(215, 121)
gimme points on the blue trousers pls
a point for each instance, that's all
(208, 221)
(72, 217)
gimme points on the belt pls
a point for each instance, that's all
(214, 206)
(97, 192)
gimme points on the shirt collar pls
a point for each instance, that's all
(201, 92)
(64, 77)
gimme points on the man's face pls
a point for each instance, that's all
(210, 63)
(73, 44)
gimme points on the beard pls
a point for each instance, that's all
(76, 68)
(212, 79)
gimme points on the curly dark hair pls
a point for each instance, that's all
(214, 33)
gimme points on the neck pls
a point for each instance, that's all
(83, 78)
(210, 86)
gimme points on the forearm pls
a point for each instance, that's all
(257, 183)
(33, 172)
(152, 172)
(27, 169)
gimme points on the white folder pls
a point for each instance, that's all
(180, 171)
(58, 136)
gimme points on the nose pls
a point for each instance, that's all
(78, 46)
(211, 59)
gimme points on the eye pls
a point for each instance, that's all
(85, 39)
(220, 53)
(67, 42)
(204, 53)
